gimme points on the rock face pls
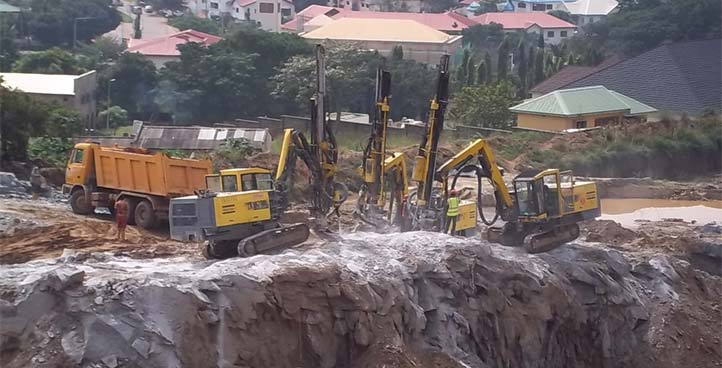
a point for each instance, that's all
(414, 299)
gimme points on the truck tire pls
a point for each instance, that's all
(145, 215)
(79, 204)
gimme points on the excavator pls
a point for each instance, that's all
(541, 212)
(384, 176)
(239, 211)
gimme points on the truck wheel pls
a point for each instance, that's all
(145, 215)
(79, 204)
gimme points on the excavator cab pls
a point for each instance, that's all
(240, 180)
(541, 195)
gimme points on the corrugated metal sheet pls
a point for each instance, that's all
(188, 138)
(581, 101)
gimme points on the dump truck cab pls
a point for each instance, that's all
(79, 169)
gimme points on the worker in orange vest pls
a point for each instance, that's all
(452, 212)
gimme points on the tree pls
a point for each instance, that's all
(470, 69)
(483, 36)
(135, 76)
(539, 67)
(530, 81)
(463, 69)
(438, 6)
(115, 115)
(487, 64)
(52, 21)
(349, 78)
(522, 69)
(503, 60)
(540, 42)
(410, 88)
(563, 15)
(481, 73)
(484, 105)
(52, 61)
(397, 53)
(62, 123)
(8, 50)
(199, 24)
(228, 88)
(21, 118)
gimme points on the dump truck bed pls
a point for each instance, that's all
(155, 174)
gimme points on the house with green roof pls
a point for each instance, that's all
(579, 108)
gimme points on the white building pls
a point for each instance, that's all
(525, 6)
(554, 29)
(590, 11)
(74, 92)
(268, 14)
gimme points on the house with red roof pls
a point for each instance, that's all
(163, 49)
(554, 29)
(316, 15)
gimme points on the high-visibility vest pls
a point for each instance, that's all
(453, 210)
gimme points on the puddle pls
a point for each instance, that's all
(626, 211)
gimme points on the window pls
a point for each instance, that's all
(214, 5)
(549, 6)
(286, 12)
(521, 5)
(581, 124)
(78, 156)
(562, 33)
(265, 8)
(237, 10)
(213, 183)
(538, 7)
(229, 183)
(550, 34)
(256, 182)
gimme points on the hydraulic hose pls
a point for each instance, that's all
(480, 174)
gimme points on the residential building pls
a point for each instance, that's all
(590, 11)
(412, 6)
(163, 49)
(578, 108)
(554, 29)
(74, 92)
(269, 15)
(528, 6)
(678, 78)
(448, 22)
(420, 42)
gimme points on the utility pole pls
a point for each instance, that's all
(107, 109)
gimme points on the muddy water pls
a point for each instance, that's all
(628, 211)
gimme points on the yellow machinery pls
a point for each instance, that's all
(544, 206)
(384, 176)
(239, 212)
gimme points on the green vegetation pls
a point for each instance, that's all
(51, 22)
(53, 151)
(52, 61)
(484, 105)
(677, 149)
(640, 25)
(199, 24)
(232, 153)
(113, 116)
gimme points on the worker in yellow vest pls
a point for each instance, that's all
(452, 213)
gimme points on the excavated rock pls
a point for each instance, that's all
(406, 300)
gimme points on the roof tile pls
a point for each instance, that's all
(523, 20)
(168, 45)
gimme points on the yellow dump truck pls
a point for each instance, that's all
(98, 176)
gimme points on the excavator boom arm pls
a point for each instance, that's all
(479, 148)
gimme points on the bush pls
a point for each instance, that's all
(232, 153)
(53, 151)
